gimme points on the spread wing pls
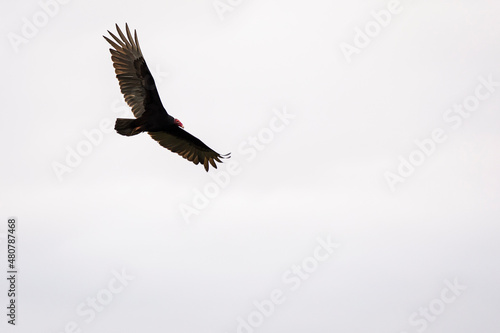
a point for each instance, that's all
(188, 146)
(136, 82)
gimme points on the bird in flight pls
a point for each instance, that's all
(138, 87)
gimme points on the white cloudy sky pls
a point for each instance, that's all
(323, 176)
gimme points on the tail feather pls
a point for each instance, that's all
(126, 127)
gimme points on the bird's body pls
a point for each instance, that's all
(139, 89)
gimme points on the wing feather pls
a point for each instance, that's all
(136, 82)
(188, 146)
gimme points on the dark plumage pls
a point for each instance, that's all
(139, 89)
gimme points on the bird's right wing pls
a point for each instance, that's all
(136, 82)
(188, 146)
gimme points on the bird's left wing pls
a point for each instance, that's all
(188, 146)
(136, 82)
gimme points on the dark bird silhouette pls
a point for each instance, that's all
(139, 89)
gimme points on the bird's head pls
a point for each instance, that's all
(178, 123)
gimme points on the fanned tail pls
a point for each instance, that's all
(127, 127)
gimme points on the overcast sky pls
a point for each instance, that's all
(361, 196)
